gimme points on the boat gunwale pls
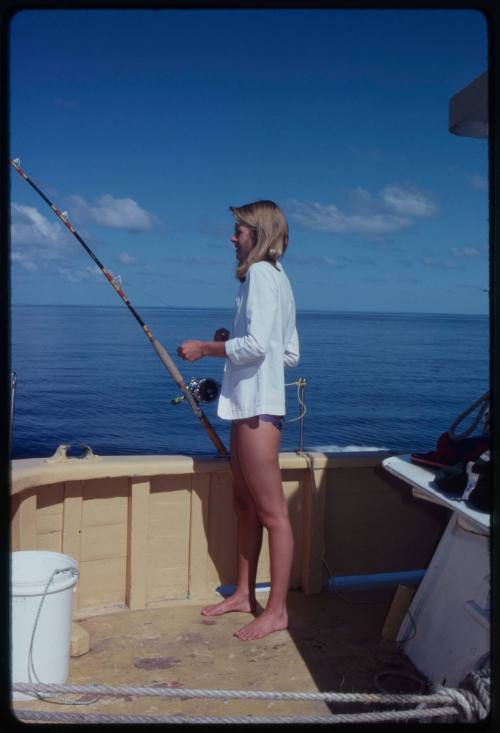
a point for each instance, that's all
(27, 473)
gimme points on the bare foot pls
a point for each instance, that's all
(265, 624)
(232, 603)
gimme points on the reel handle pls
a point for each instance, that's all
(222, 334)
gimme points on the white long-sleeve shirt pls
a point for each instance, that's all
(263, 341)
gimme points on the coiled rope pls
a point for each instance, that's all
(300, 383)
(483, 403)
(460, 705)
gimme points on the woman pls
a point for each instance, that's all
(264, 340)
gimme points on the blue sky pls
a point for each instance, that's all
(146, 125)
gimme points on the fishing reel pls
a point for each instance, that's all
(203, 390)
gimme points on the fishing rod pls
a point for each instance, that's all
(160, 350)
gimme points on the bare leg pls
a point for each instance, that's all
(258, 443)
(249, 543)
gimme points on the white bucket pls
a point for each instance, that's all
(30, 573)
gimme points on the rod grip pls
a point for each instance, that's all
(177, 377)
(175, 374)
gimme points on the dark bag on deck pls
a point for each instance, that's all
(450, 452)
(463, 460)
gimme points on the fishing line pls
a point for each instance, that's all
(148, 295)
(116, 284)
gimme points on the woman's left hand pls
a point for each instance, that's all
(191, 350)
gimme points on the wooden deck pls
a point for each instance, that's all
(333, 644)
(154, 536)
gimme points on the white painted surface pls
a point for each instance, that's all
(447, 629)
(422, 481)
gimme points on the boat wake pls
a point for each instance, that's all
(345, 448)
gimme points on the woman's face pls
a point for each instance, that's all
(243, 240)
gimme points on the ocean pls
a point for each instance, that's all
(87, 375)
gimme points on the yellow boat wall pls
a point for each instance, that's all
(150, 531)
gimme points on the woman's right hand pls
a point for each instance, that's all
(222, 334)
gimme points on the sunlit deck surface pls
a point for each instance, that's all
(333, 643)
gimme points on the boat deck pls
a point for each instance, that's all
(333, 643)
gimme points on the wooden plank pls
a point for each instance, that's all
(50, 498)
(313, 543)
(104, 542)
(165, 517)
(164, 485)
(137, 555)
(15, 517)
(102, 582)
(397, 612)
(105, 502)
(198, 536)
(72, 519)
(222, 533)
(294, 495)
(72, 527)
(49, 522)
(168, 538)
(168, 549)
(49, 542)
(26, 523)
(80, 640)
(49, 517)
(170, 590)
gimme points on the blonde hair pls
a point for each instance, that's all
(269, 229)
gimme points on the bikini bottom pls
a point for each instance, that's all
(276, 420)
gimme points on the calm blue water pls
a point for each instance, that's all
(89, 375)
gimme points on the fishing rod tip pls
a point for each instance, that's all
(16, 162)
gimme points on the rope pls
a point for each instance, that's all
(31, 665)
(484, 402)
(300, 385)
(466, 702)
(389, 716)
(481, 682)
(185, 693)
(459, 705)
(473, 705)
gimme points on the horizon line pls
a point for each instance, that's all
(225, 308)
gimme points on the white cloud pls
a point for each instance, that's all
(468, 251)
(28, 226)
(125, 258)
(117, 213)
(408, 202)
(24, 261)
(76, 276)
(393, 209)
(36, 241)
(329, 218)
